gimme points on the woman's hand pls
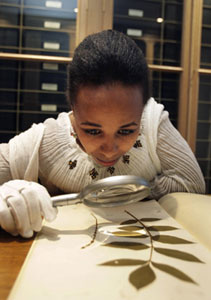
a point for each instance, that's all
(23, 205)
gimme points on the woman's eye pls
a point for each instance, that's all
(126, 131)
(92, 131)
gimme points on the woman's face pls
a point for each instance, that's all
(107, 120)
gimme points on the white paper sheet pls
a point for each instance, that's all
(62, 265)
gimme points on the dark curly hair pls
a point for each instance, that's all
(107, 57)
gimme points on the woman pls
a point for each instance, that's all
(114, 128)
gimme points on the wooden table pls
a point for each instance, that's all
(13, 251)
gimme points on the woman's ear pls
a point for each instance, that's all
(72, 119)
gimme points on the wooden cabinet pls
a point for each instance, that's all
(156, 27)
(33, 89)
(37, 40)
(203, 98)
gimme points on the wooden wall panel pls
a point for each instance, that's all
(93, 16)
(193, 84)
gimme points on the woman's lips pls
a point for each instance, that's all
(106, 163)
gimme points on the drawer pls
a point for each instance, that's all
(171, 53)
(8, 79)
(8, 100)
(204, 129)
(27, 119)
(9, 16)
(10, 1)
(204, 165)
(49, 19)
(9, 37)
(204, 111)
(165, 86)
(205, 88)
(44, 81)
(202, 149)
(8, 64)
(173, 32)
(8, 50)
(54, 4)
(43, 66)
(206, 56)
(7, 121)
(5, 137)
(43, 102)
(49, 41)
(174, 12)
(171, 106)
(136, 8)
(206, 36)
(207, 16)
(139, 27)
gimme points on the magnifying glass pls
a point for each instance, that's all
(108, 192)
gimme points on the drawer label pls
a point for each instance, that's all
(134, 32)
(55, 4)
(50, 66)
(50, 24)
(135, 13)
(49, 86)
(49, 107)
(51, 45)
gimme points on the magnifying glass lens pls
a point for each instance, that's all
(108, 192)
(116, 195)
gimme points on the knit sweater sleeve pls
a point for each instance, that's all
(19, 159)
(180, 171)
(5, 174)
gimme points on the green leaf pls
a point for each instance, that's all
(127, 245)
(162, 228)
(150, 219)
(178, 254)
(174, 272)
(168, 239)
(123, 262)
(128, 233)
(128, 222)
(142, 277)
(130, 228)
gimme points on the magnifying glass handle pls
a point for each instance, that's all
(68, 199)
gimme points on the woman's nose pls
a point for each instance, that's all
(109, 147)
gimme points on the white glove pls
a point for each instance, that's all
(23, 205)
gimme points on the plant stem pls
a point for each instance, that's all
(94, 235)
(148, 232)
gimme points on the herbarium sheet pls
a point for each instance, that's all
(130, 252)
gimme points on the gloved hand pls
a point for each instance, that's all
(23, 205)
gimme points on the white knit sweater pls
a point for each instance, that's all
(48, 151)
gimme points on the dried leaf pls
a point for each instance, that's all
(150, 219)
(123, 262)
(174, 272)
(128, 222)
(162, 228)
(139, 237)
(133, 221)
(128, 233)
(168, 239)
(131, 228)
(127, 245)
(142, 277)
(178, 254)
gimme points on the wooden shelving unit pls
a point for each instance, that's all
(175, 36)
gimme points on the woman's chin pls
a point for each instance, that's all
(106, 163)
